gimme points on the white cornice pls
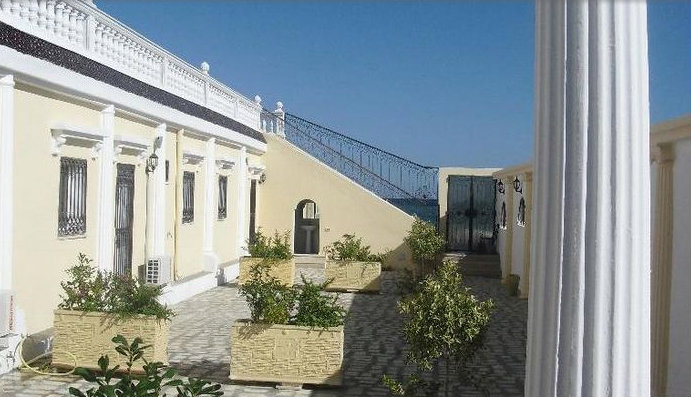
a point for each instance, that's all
(62, 132)
(192, 157)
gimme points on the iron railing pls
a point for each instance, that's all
(404, 183)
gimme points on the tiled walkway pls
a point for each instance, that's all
(200, 345)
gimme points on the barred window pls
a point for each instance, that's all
(503, 215)
(222, 197)
(187, 197)
(520, 219)
(72, 197)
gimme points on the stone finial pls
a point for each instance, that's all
(257, 99)
(205, 67)
(279, 106)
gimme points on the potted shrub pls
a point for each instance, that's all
(426, 246)
(96, 306)
(294, 336)
(272, 251)
(155, 377)
(444, 326)
(350, 265)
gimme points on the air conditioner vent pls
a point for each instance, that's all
(157, 270)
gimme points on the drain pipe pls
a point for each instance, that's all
(178, 201)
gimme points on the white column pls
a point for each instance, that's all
(242, 202)
(508, 236)
(159, 180)
(589, 310)
(528, 192)
(210, 206)
(106, 202)
(661, 276)
(6, 180)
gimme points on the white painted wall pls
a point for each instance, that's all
(679, 381)
(517, 265)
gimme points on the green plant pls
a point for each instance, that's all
(425, 243)
(150, 384)
(315, 309)
(442, 322)
(272, 302)
(90, 290)
(276, 247)
(350, 248)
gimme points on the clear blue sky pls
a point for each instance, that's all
(440, 83)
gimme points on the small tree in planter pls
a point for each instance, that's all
(295, 334)
(98, 305)
(426, 245)
(443, 323)
(272, 250)
(351, 266)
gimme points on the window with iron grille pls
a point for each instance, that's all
(187, 197)
(222, 197)
(72, 197)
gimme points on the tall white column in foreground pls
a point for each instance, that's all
(6, 180)
(242, 203)
(106, 202)
(210, 206)
(589, 312)
(159, 180)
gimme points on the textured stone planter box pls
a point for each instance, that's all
(89, 335)
(286, 353)
(284, 270)
(350, 275)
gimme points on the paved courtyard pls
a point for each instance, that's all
(200, 345)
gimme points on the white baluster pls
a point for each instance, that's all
(23, 10)
(98, 39)
(59, 16)
(50, 15)
(42, 14)
(80, 30)
(33, 13)
(71, 20)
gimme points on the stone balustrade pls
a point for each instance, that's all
(80, 27)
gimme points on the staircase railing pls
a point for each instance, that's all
(406, 184)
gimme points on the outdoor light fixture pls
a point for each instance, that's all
(262, 178)
(517, 185)
(151, 162)
(500, 187)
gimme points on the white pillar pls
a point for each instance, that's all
(6, 180)
(661, 276)
(210, 206)
(159, 180)
(528, 193)
(242, 203)
(106, 202)
(589, 310)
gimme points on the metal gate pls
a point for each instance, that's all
(124, 214)
(253, 210)
(470, 214)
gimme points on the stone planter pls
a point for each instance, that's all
(88, 335)
(283, 270)
(286, 353)
(353, 276)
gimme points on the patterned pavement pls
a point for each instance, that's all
(199, 345)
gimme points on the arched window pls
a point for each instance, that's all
(503, 215)
(520, 218)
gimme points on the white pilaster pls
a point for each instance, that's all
(589, 310)
(508, 236)
(242, 203)
(106, 201)
(210, 206)
(159, 228)
(6, 179)
(528, 192)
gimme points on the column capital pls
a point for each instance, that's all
(663, 153)
(7, 80)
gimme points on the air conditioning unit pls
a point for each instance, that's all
(157, 270)
(7, 312)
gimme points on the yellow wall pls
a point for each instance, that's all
(344, 206)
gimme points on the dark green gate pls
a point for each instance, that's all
(470, 214)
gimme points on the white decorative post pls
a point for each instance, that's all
(242, 202)
(210, 206)
(661, 276)
(589, 308)
(106, 202)
(508, 239)
(159, 235)
(280, 117)
(6, 180)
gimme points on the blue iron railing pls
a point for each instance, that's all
(408, 185)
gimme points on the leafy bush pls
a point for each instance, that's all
(156, 376)
(442, 321)
(350, 248)
(89, 290)
(424, 242)
(272, 302)
(274, 248)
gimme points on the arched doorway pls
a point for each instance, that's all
(306, 228)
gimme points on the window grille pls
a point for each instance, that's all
(167, 171)
(503, 215)
(520, 219)
(72, 201)
(187, 197)
(222, 197)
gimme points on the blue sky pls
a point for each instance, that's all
(441, 83)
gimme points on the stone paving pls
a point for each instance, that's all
(200, 347)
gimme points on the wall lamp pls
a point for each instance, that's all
(500, 187)
(517, 186)
(151, 162)
(262, 178)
